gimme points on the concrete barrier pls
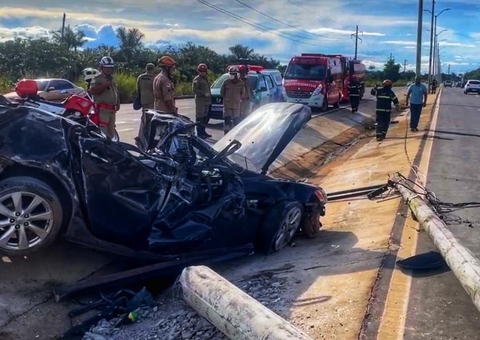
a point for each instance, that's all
(232, 311)
(461, 261)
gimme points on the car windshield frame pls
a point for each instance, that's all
(42, 84)
(294, 71)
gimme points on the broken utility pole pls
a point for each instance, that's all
(357, 38)
(63, 24)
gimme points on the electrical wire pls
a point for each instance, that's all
(261, 27)
(284, 23)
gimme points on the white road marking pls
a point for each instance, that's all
(121, 130)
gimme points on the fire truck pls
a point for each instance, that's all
(319, 80)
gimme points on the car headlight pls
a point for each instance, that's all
(318, 90)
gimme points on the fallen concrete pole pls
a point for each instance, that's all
(233, 312)
(461, 261)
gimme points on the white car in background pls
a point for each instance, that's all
(472, 85)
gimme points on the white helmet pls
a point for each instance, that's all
(90, 73)
(233, 70)
(107, 62)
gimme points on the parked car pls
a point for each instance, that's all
(266, 84)
(472, 86)
(458, 84)
(448, 83)
(182, 197)
(52, 89)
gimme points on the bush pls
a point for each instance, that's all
(6, 85)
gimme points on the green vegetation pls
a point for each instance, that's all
(65, 58)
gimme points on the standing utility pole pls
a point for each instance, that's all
(63, 24)
(405, 66)
(432, 34)
(357, 38)
(418, 66)
(448, 72)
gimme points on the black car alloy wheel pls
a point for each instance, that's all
(281, 224)
(30, 215)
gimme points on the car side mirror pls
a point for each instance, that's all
(51, 89)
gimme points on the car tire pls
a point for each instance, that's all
(324, 106)
(281, 223)
(25, 190)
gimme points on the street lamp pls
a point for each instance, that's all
(432, 33)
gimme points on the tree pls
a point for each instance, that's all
(130, 42)
(241, 52)
(391, 70)
(70, 39)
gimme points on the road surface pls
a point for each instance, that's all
(439, 308)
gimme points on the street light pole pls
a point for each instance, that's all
(432, 32)
(418, 65)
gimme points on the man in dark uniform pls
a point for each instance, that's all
(385, 96)
(354, 93)
(203, 99)
(434, 86)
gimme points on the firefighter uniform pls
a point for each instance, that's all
(163, 90)
(145, 87)
(107, 104)
(385, 96)
(203, 95)
(248, 94)
(354, 94)
(232, 92)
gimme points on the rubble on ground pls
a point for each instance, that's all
(173, 319)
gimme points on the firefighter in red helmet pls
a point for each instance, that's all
(201, 89)
(383, 111)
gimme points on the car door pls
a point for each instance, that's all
(53, 91)
(271, 88)
(66, 89)
(262, 91)
(123, 194)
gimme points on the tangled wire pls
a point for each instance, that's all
(444, 210)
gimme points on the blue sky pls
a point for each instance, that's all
(294, 26)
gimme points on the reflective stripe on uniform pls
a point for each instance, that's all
(384, 97)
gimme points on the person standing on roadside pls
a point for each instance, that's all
(354, 93)
(145, 92)
(105, 95)
(417, 94)
(247, 93)
(383, 111)
(163, 89)
(232, 93)
(203, 99)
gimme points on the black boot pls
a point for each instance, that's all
(206, 134)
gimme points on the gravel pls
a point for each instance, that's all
(172, 319)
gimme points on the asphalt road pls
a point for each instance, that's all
(439, 308)
(128, 120)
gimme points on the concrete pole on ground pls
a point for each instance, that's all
(233, 312)
(461, 261)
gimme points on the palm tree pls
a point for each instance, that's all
(71, 39)
(241, 51)
(130, 41)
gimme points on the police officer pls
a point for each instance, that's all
(385, 96)
(247, 93)
(201, 89)
(105, 95)
(163, 89)
(354, 93)
(232, 92)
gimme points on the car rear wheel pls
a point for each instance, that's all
(324, 106)
(281, 224)
(30, 215)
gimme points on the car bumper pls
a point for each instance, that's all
(473, 90)
(313, 101)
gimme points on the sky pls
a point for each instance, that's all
(278, 29)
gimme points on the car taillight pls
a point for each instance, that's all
(321, 195)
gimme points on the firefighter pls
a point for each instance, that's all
(354, 93)
(232, 92)
(247, 93)
(105, 95)
(145, 92)
(203, 99)
(163, 89)
(385, 96)
(434, 86)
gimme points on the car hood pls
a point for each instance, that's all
(266, 132)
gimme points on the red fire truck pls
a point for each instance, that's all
(342, 69)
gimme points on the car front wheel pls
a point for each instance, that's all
(281, 224)
(30, 215)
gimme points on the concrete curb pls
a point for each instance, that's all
(233, 312)
(461, 260)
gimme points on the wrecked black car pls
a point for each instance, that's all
(181, 197)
